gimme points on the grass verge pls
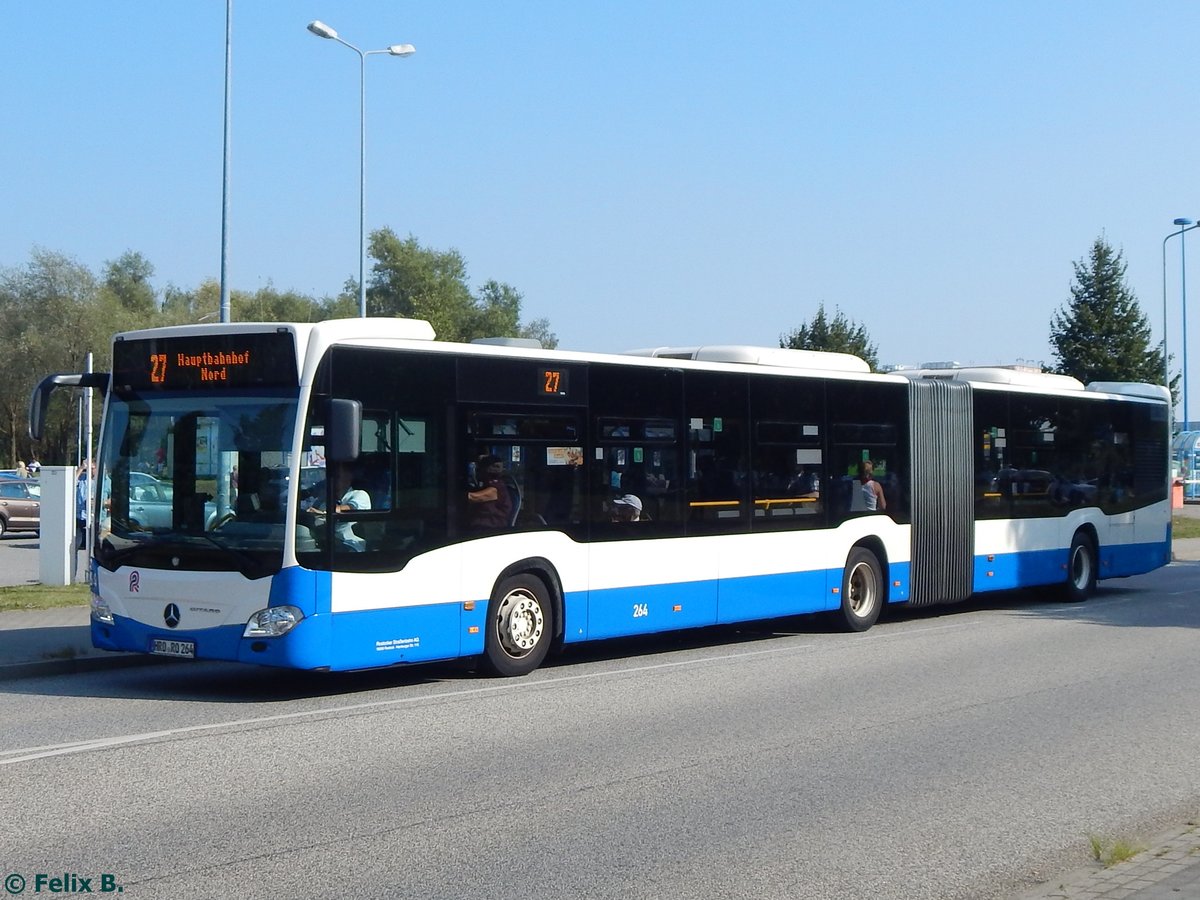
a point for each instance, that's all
(1185, 527)
(41, 596)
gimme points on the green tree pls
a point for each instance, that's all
(127, 278)
(495, 311)
(52, 313)
(267, 304)
(1102, 334)
(187, 307)
(270, 305)
(421, 283)
(836, 335)
(539, 330)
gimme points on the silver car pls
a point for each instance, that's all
(151, 501)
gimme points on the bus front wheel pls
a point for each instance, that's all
(862, 591)
(518, 626)
(1081, 568)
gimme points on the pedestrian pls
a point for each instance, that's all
(86, 473)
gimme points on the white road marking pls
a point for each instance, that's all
(29, 754)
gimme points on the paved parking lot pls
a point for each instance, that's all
(19, 562)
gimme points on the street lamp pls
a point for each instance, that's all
(225, 164)
(320, 29)
(1185, 225)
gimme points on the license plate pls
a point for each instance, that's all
(185, 649)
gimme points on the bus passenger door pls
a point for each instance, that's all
(644, 574)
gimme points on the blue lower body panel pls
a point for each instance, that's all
(770, 596)
(384, 637)
(1133, 559)
(126, 634)
(304, 647)
(1008, 571)
(645, 609)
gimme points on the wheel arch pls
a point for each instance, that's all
(872, 543)
(1081, 580)
(546, 572)
(1087, 529)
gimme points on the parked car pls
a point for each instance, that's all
(20, 505)
(149, 501)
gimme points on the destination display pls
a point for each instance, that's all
(213, 360)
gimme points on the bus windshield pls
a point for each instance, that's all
(194, 480)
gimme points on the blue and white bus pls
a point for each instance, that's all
(325, 484)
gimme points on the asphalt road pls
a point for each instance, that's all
(961, 755)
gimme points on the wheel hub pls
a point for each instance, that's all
(520, 623)
(862, 590)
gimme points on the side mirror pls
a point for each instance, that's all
(343, 430)
(40, 399)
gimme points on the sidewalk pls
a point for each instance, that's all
(1168, 870)
(53, 642)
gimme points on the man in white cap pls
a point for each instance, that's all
(627, 508)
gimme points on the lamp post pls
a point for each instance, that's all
(1185, 225)
(225, 164)
(320, 29)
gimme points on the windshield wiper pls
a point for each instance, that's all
(247, 564)
(159, 547)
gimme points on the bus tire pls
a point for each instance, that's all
(519, 626)
(862, 591)
(1081, 568)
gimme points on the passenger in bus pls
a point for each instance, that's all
(351, 497)
(627, 508)
(873, 491)
(489, 504)
(870, 491)
(805, 484)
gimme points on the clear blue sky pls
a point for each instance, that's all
(644, 173)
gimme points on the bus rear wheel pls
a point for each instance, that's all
(1081, 568)
(519, 627)
(862, 591)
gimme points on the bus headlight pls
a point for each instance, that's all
(100, 611)
(274, 621)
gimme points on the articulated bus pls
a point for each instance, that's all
(355, 494)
